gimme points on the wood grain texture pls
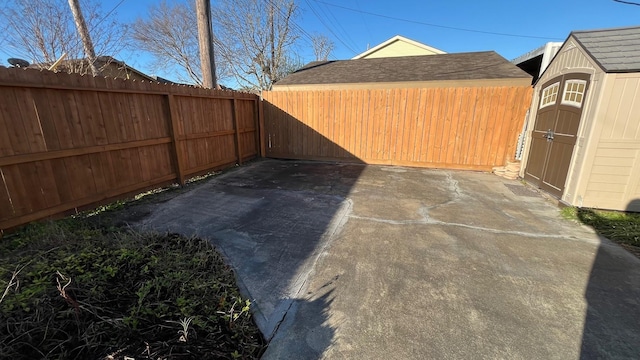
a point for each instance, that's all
(457, 128)
(69, 141)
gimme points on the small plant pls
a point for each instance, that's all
(184, 328)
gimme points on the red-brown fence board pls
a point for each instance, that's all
(457, 128)
(68, 141)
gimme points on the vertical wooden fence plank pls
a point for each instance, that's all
(175, 139)
(433, 127)
(236, 128)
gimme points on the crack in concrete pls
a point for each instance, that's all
(431, 221)
(458, 195)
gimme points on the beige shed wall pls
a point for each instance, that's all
(611, 174)
(399, 48)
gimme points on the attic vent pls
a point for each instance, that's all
(570, 46)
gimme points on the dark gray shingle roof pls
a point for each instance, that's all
(459, 66)
(616, 50)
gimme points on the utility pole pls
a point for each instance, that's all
(272, 41)
(205, 43)
(81, 25)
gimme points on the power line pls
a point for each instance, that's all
(303, 31)
(95, 26)
(364, 21)
(109, 13)
(329, 28)
(627, 2)
(338, 23)
(436, 25)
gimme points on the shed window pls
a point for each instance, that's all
(549, 95)
(574, 92)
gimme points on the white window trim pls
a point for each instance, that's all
(564, 92)
(542, 97)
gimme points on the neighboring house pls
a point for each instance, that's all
(536, 61)
(583, 142)
(445, 70)
(398, 46)
(107, 66)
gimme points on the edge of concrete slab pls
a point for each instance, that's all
(269, 326)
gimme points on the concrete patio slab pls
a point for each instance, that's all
(354, 261)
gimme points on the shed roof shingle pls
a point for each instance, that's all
(459, 66)
(616, 50)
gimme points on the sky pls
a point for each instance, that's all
(511, 28)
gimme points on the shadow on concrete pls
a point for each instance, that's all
(612, 321)
(273, 221)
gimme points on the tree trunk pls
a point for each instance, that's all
(81, 25)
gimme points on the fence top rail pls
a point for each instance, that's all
(44, 79)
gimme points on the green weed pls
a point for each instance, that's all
(621, 227)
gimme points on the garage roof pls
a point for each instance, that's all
(615, 50)
(459, 66)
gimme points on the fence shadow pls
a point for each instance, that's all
(273, 220)
(611, 327)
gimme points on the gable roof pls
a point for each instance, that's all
(395, 39)
(458, 66)
(119, 68)
(615, 50)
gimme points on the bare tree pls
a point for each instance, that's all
(257, 37)
(42, 30)
(170, 34)
(322, 47)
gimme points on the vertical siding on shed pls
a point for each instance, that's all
(612, 178)
(583, 151)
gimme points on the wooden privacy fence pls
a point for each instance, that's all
(69, 141)
(457, 128)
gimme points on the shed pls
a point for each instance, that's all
(583, 138)
(472, 69)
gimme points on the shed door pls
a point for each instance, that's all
(554, 134)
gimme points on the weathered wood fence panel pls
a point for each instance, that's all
(69, 141)
(457, 128)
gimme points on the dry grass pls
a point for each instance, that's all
(71, 290)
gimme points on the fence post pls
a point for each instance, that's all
(237, 129)
(175, 139)
(256, 125)
(263, 147)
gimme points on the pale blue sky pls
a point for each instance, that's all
(534, 23)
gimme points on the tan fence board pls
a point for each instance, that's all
(460, 128)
